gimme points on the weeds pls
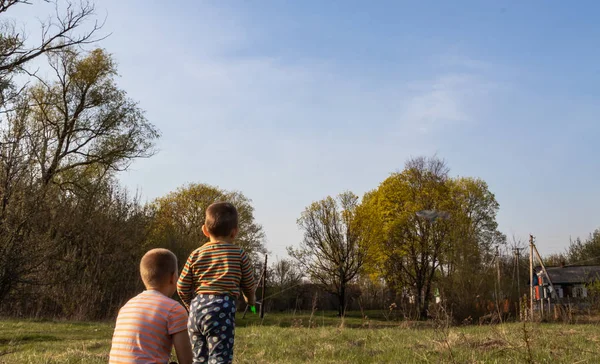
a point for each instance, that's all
(311, 322)
(443, 322)
(527, 341)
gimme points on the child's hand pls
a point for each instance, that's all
(250, 300)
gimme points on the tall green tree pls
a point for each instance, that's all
(468, 271)
(579, 252)
(331, 253)
(585, 251)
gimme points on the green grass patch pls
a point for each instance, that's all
(324, 338)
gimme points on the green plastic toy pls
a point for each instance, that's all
(253, 309)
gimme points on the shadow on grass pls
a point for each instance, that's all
(26, 338)
(372, 320)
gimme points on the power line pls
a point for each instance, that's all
(517, 253)
(283, 290)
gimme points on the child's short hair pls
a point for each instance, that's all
(156, 266)
(221, 219)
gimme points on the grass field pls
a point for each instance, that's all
(289, 339)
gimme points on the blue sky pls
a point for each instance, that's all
(291, 101)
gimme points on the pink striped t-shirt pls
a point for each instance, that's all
(144, 328)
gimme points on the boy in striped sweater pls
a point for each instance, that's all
(210, 284)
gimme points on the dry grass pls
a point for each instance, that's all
(277, 341)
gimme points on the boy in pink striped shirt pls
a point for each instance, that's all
(151, 323)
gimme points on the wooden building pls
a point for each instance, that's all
(570, 282)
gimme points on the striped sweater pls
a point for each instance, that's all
(145, 327)
(216, 268)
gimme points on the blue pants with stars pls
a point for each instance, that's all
(211, 327)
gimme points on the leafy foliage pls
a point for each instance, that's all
(585, 252)
(412, 252)
(178, 218)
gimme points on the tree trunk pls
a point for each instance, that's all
(419, 301)
(425, 307)
(342, 299)
(427, 294)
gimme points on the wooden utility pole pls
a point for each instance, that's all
(551, 289)
(517, 252)
(537, 254)
(264, 283)
(517, 278)
(261, 281)
(531, 275)
(497, 283)
(498, 269)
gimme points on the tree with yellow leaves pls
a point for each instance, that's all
(420, 225)
(179, 216)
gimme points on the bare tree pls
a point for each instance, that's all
(284, 284)
(57, 33)
(330, 253)
(284, 274)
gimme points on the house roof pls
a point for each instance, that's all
(573, 274)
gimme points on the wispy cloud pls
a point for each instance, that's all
(449, 99)
(460, 60)
(283, 97)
